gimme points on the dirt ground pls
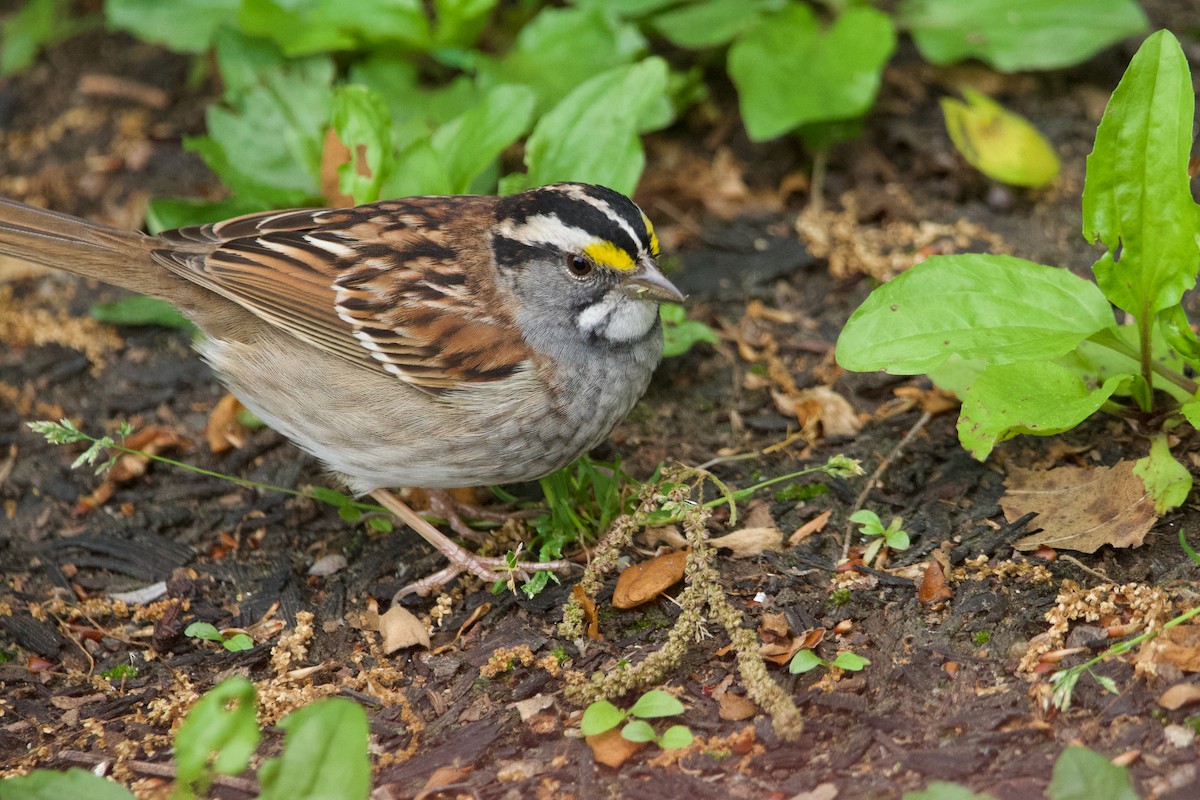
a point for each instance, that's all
(95, 128)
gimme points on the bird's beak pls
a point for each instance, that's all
(647, 282)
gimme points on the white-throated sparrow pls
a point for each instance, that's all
(425, 341)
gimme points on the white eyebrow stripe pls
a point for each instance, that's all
(547, 229)
(607, 210)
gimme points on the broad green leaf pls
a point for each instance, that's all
(186, 27)
(599, 717)
(457, 23)
(803, 661)
(656, 703)
(1080, 774)
(1177, 332)
(1034, 397)
(675, 737)
(321, 26)
(851, 662)
(869, 520)
(219, 733)
(994, 308)
(1191, 412)
(361, 121)
(1014, 35)
(710, 23)
(45, 784)
(1098, 361)
(940, 790)
(1167, 481)
(631, 9)
(1136, 195)
(639, 731)
(168, 213)
(408, 99)
(324, 754)
(680, 333)
(140, 310)
(790, 70)
(1000, 144)
(238, 642)
(562, 48)
(470, 143)
(282, 122)
(203, 630)
(242, 59)
(583, 138)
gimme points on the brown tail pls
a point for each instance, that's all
(85, 248)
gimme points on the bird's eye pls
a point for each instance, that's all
(579, 266)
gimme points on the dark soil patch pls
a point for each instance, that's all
(943, 698)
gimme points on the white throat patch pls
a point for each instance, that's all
(618, 318)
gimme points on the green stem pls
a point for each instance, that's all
(1107, 338)
(1146, 361)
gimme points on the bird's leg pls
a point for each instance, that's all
(461, 560)
(443, 506)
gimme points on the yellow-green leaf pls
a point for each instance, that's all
(1000, 144)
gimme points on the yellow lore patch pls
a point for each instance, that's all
(609, 255)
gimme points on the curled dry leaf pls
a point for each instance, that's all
(611, 748)
(1178, 646)
(735, 707)
(933, 588)
(750, 542)
(1080, 508)
(1180, 695)
(643, 582)
(400, 628)
(589, 611)
(779, 642)
(223, 431)
(819, 406)
(814, 525)
(668, 535)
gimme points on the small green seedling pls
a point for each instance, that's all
(807, 660)
(602, 716)
(209, 633)
(120, 672)
(893, 535)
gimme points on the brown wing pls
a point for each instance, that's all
(381, 285)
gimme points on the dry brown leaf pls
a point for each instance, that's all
(750, 542)
(1180, 695)
(611, 748)
(400, 628)
(1178, 646)
(931, 401)
(1080, 508)
(933, 588)
(735, 707)
(530, 706)
(814, 525)
(333, 154)
(223, 430)
(779, 642)
(446, 776)
(589, 611)
(668, 535)
(643, 582)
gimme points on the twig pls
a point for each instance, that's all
(883, 465)
(1087, 569)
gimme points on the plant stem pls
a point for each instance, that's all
(1146, 361)
(1112, 342)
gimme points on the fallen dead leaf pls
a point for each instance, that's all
(668, 535)
(1180, 695)
(643, 582)
(400, 628)
(735, 707)
(224, 431)
(933, 588)
(814, 525)
(1080, 508)
(750, 542)
(1178, 646)
(445, 776)
(530, 706)
(834, 412)
(589, 611)
(611, 748)
(932, 401)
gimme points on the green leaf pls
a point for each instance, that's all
(680, 333)
(1080, 774)
(166, 214)
(458, 23)
(582, 139)
(362, 123)
(851, 662)
(470, 143)
(803, 661)
(140, 310)
(599, 717)
(1033, 397)
(35, 25)
(897, 540)
(187, 28)
(1014, 35)
(219, 733)
(656, 703)
(242, 59)
(321, 26)
(562, 48)
(871, 524)
(995, 308)
(639, 731)
(710, 23)
(940, 790)
(1136, 195)
(1167, 481)
(45, 784)
(203, 630)
(324, 754)
(790, 70)
(293, 105)
(999, 143)
(1191, 412)
(675, 737)
(238, 642)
